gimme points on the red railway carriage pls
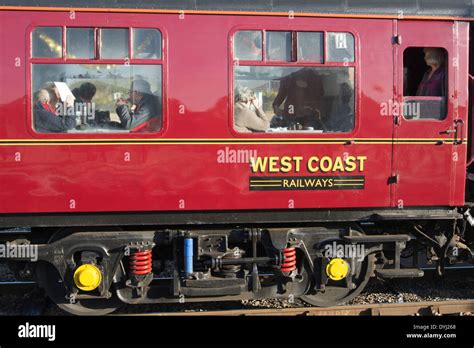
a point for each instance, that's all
(270, 150)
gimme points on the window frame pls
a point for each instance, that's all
(292, 44)
(99, 61)
(295, 53)
(65, 51)
(294, 63)
(132, 42)
(30, 39)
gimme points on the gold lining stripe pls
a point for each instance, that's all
(150, 143)
(226, 141)
(346, 180)
(264, 181)
(222, 139)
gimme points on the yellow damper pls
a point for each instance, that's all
(337, 269)
(87, 277)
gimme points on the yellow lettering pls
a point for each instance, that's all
(285, 164)
(297, 160)
(338, 165)
(350, 164)
(309, 182)
(325, 165)
(361, 160)
(258, 164)
(310, 166)
(272, 165)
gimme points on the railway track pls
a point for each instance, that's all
(423, 308)
(382, 299)
(463, 307)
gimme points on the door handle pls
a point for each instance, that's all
(448, 131)
(456, 130)
(458, 125)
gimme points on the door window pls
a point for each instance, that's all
(425, 83)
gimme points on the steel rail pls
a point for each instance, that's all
(427, 308)
(423, 308)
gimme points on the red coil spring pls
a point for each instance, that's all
(289, 260)
(141, 262)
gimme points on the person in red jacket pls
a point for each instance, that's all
(46, 120)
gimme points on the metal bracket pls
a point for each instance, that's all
(397, 40)
(393, 179)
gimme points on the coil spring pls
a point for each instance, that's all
(289, 260)
(141, 262)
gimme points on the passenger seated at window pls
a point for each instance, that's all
(85, 92)
(46, 120)
(302, 93)
(144, 107)
(248, 115)
(83, 103)
(433, 82)
(54, 97)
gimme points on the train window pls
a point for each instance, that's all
(96, 98)
(114, 43)
(299, 93)
(47, 42)
(425, 83)
(292, 99)
(278, 45)
(146, 43)
(340, 47)
(80, 43)
(248, 45)
(310, 46)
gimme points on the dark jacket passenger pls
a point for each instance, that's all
(46, 121)
(434, 86)
(147, 108)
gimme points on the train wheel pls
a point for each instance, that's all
(50, 280)
(336, 292)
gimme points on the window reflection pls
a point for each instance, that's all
(47, 42)
(91, 98)
(313, 99)
(279, 45)
(248, 45)
(310, 47)
(114, 43)
(146, 43)
(340, 47)
(80, 43)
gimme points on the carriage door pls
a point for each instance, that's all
(424, 130)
